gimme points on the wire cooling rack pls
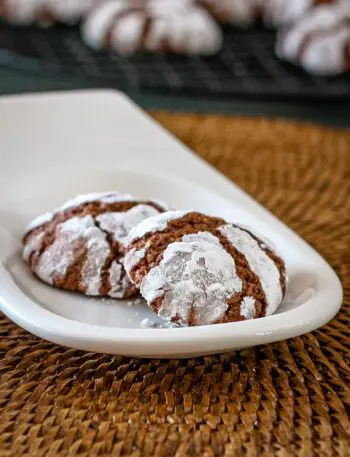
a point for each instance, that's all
(246, 66)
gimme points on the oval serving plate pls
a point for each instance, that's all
(115, 326)
(139, 164)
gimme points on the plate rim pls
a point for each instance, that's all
(81, 335)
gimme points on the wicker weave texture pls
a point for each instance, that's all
(285, 399)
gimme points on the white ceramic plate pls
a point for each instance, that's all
(54, 146)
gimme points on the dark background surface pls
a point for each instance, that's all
(245, 78)
(331, 113)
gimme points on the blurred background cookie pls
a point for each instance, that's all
(152, 25)
(320, 41)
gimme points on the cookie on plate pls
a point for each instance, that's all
(44, 12)
(320, 41)
(80, 246)
(170, 26)
(194, 269)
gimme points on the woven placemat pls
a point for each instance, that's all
(285, 399)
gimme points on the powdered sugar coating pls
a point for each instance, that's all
(133, 257)
(98, 250)
(154, 224)
(179, 25)
(325, 56)
(195, 278)
(248, 308)
(40, 220)
(34, 243)
(266, 242)
(74, 234)
(259, 262)
(100, 20)
(318, 42)
(148, 323)
(119, 224)
(118, 280)
(102, 197)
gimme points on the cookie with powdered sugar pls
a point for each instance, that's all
(194, 269)
(170, 26)
(319, 41)
(80, 246)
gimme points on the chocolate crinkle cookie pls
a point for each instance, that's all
(194, 269)
(80, 246)
(170, 26)
(320, 41)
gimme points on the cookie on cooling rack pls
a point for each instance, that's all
(44, 12)
(194, 269)
(151, 25)
(80, 246)
(320, 41)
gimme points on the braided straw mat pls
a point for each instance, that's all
(284, 399)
